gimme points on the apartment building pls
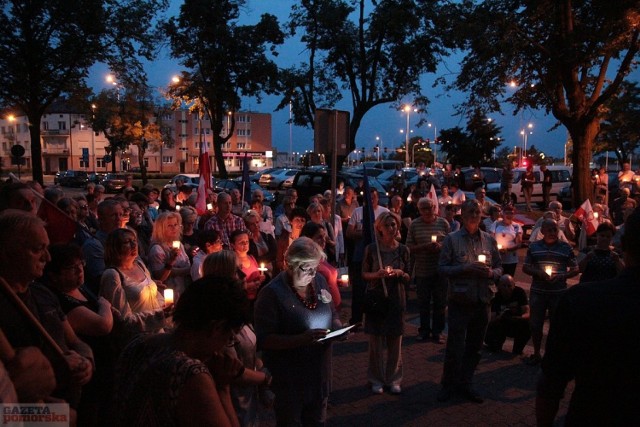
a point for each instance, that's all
(68, 142)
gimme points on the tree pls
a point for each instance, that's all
(224, 60)
(567, 57)
(473, 146)
(378, 59)
(48, 47)
(620, 130)
(127, 120)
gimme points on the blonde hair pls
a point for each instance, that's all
(159, 227)
(382, 218)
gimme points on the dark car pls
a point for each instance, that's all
(490, 176)
(72, 178)
(229, 184)
(113, 182)
(96, 177)
(310, 183)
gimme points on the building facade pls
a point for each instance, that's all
(68, 142)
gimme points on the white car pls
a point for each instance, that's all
(560, 177)
(281, 178)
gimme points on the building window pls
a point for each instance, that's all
(227, 146)
(99, 162)
(25, 127)
(167, 159)
(207, 131)
(248, 119)
(241, 146)
(167, 116)
(146, 162)
(45, 125)
(244, 132)
(84, 164)
(195, 130)
(62, 125)
(4, 146)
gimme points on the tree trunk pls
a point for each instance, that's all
(36, 148)
(217, 151)
(583, 135)
(113, 159)
(143, 168)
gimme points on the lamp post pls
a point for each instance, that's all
(435, 142)
(407, 109)
(525, 134)
(379, 146)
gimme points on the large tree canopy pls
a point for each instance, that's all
(376, 55)
(47, 48)
(620, 130)
(224, 60)
(568, 57)
(474, 145)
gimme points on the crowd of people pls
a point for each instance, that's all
(147, 312)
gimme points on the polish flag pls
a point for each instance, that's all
(205, 179)
(434, 198)
(585, 214)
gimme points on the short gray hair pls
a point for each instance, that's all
(303, 250)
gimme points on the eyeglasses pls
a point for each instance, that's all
(77, 267)
(83, 206)
(310, 271)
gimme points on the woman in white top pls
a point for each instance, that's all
(128, 286)
(168, 260)
(508, 236)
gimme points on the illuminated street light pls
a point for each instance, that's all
(407, 109)
(525, 135)
(379, 146)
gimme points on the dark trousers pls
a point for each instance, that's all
(431, 289)
(546, 198)
(358, 287)
(514, 327)
(467, 326)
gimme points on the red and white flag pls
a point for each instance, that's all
(205, 179)
(434, 198)
(585, 214)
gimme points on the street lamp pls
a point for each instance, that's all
(379, 146)
(407, 109)
(525, 134)
(435, 141)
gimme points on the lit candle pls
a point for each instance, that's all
(389, 269)
(482, 258)
(209, 206)
(176, 244)
(262, 267)
(449, 202)
(177, 207)
(549, 270)
(595, 215)
(344, 278)
(168, 296)
(434, 239)
(499, 246)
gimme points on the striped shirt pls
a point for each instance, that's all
(426, 263)
(559, 257)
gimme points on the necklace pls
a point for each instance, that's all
(311, 305)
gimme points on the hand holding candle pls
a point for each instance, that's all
(549, 270)
(482, 258)
(262, 268)
(434, 239)
(344, 279)
(175, 244)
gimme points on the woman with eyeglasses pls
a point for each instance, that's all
(386, 265)
(168, 260)
(318, 234)
(189, 233)
(292, 313)
(182, 377)
(90, 318)
(127, 284)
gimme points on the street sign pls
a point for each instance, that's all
(17, 150)
(107, 158)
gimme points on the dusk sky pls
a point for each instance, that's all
(382, 121)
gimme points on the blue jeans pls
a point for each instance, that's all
(467, 326)
(429, 289)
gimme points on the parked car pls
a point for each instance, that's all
(383, 164)
(113, 182)
(229, 184)
(277, 179)
(96, 177)
(72, 178)
(560, 177)
(190, 179)
(490, 176)
(256, 176)
(386, 177)
(310, 183)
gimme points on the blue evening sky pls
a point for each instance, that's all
(383, 121)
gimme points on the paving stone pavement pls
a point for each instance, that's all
(507, 384)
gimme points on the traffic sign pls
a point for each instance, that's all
(17, 150)
(107, 158)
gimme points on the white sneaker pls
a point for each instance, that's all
(396, 389)
(376, 389)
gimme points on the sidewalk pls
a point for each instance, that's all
(506, 383)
